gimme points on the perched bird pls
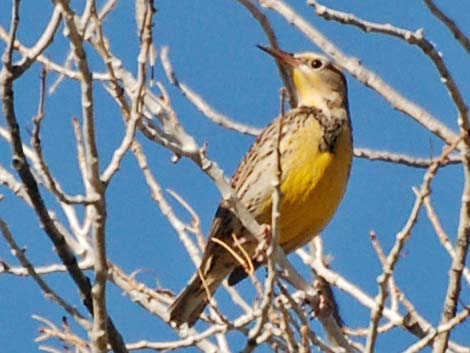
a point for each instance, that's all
(315, 156)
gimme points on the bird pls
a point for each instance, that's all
(315, 150)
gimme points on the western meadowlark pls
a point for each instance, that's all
(315, 156)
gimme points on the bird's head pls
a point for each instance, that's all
(318, 82)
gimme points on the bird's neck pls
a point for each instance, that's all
(317, 95)
(331, 105)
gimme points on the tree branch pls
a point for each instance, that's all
(414, 38)
(48, 292)
(451, 25)
(361, 73)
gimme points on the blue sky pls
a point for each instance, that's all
(212, 48)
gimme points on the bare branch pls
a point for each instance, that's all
(414, 38)
(301, 314)
(21, 165)
(36, 142)
(137, 98)
(93, 184)
(266, 300)
(9, 180)
(461, 251)
(42, 44)
(48, 63)
(268, 29)
(442, 235)
(451, 25)
(157, 303)
(65, 336)
(20, 271)
(416, 162)
(361, 73)
(426, 340)
(48, 292)
(30, 184)
(15, 21)
(397, 248)
(165, 207)
(278, 317)
(199, 102)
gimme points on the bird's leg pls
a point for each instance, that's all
(263, 245)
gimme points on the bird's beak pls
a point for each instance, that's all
(284, 57)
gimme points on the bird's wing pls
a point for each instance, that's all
(253, 180)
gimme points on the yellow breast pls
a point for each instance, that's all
(313, 184)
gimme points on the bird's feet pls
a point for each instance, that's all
(263, 245)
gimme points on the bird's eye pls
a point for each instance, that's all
(316, 63)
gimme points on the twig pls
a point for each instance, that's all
(81, 154)
(386, 156)
(463, 239)
(21, 271)
(414, 38)
(461, 251)
(363, 331)
(136, 98)
(8, 179)
(268, 29)
(36, 142)
(165, 207)
(21, 165)
(8, 55)
(169, 345)
(49, 64)
(65, 335)
(196, 229)
(383, 261)
(304, 344)
(451, 25)
(199, 102)
(93, 185)
(48, 292)
(196, 222)
(325, 306)
(342, 283)
(184, 145)
(301, 315)
(157, 304)
(401, 239)
(266, 301)
(442, 235)
(426, 340)
(16, 187)
(46, 39)
(127, 140)
(285, 325)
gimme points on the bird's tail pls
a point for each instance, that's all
(190, 303)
